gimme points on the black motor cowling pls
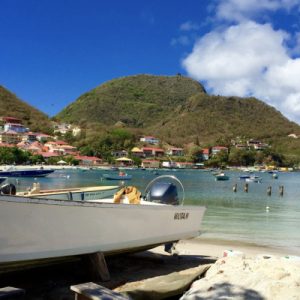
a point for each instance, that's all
(163, 192)
(8, 189)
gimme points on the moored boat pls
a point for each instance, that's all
(119, 176)
(2, 179)
(25, 172)
(221, 177)
(254, 178)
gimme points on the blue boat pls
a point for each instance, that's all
(119, 176)
(25, 172)
(2, 179)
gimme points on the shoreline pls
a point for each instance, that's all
(214, 248)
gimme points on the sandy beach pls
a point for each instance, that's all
(261, 272)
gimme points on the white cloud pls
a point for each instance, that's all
(240, 10)
(248, 59)
(188, 26)
(181, 40)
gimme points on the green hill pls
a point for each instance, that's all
(11, 106)
(137, 101)
(177, 110)
(211, 118)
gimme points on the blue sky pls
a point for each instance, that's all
(52, 51)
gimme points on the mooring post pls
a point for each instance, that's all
(234, 188)
(281, 189)
(99, 267)
(269, 191)
(246, 187)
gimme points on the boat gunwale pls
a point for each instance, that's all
(86, 203)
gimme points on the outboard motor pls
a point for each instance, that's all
(163, 192)
(8, 189)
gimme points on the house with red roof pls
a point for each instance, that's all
(88, 160)
(216, 149)
(205, 153)
(148, 163)
(149, 151)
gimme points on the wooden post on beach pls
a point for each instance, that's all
(281, 189)
(98, 266)
(246, 187)
(269, 191)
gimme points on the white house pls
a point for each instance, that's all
(150, 140)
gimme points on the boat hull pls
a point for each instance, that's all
(26, 173)
(38, 228)
(117, 177)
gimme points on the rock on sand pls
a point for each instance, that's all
(259, 277)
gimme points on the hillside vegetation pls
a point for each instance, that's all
(11, 106)
(136, 101)
(177, 110)
(212, 118)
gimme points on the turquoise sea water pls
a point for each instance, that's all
(239, 216)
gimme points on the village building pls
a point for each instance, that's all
(62, 128)
(242, 146)
(205, 153)
(149, 140)
(29, 137)
(88, 160)
(42, 137)
(216, 149)
(175, 151)
(10, 137)
(137, 152)
(149, 151)
(124, 161)
(147, 163)
(119, 153)
(14, 124)
(185, 165)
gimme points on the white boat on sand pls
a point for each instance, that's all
(38, 228)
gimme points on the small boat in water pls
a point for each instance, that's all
(221, 177)
(254, 178)
(243, 177)
(2, 179)
(120, 176)
(25, 172)
(33, 228)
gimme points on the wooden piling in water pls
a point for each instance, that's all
(269, 191)
(246, 187)
(281, 190)
(234, 188)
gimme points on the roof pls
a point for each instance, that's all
(123, 159)
(150, 160)
(7, 145)
(11, 119)
(49, 154)
(94, 158)
(61, 143)
(153, 149)
(9, 132)
(219, 147)
(136, 149)
(205, 151)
